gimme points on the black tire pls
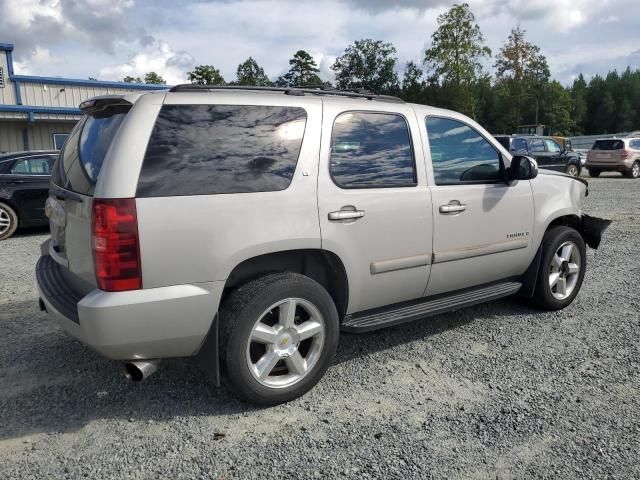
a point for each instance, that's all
(240, 312)
(543, 296)
(593, 172)
(634, 171)
(7, 214)
(573, 170)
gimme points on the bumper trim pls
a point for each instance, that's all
(55, 290)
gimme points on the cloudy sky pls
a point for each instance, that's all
(110, 39)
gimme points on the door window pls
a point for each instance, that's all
(371, 150)
(459, 154)
(519, 144)
(552, 146)
(32, 166)
(536, 146)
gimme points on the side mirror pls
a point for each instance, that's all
(523, 168)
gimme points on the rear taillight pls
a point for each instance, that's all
(116, 252)
(624, 154)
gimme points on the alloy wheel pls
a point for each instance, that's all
(572, 170)
(285, 343)
(564, 270)
(5, 221)
(635, 170)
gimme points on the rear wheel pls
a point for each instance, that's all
(279, 334)
(8, 221)
(593, 172)
(634, 171)
(573, 170)
(562, 268)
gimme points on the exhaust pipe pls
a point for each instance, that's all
(141, 369)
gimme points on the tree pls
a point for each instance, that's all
(579, 103)
(368, 64)
(251, 74)
(523, 74)
(412, 83)
(454, 58)
(153, 78)
(205, 75)
(303, 71)
(130, 79)
(456, 48)
(557, 110)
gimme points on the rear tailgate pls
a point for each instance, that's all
(73, 182)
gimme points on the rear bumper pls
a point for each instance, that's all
(617, 166)
(150, 323)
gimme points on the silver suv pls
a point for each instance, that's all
(248, 227)
(615, 155)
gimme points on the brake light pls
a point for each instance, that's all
(624, 154)
(115, 244)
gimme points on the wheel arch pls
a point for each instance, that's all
(323, 266)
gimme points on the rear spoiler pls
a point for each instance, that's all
(105, 104)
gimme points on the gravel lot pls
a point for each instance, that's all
(498, 390)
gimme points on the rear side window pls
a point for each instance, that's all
(33, 166)
(519, 144)
(536, 145)
(213, 149)
(81, 159)
(608, 145)
(371, 150)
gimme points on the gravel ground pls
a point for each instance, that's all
(498, 390)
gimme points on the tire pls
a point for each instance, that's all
(594, 172)
(291, 365)
(573, 170)
(8, 221)
(634, 171)
(554, 273)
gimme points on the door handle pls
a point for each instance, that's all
(453, 207)
(346, 215)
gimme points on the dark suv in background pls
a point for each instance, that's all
(24, 188)
(546, 150)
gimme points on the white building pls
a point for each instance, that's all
(37, 113)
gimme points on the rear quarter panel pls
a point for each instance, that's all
(201, 238)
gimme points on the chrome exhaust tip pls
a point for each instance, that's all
(139, 370)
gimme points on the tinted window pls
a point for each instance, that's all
(209, 149)
(33, 166)
(536, 145)
(459, 154)
(608, 145)
(552, 146)
(59, 139)
(519, 144)
(371, 150)
(504, 141)
(84, 151)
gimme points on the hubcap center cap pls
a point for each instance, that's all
(287, 342)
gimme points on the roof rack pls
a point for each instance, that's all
(296, 91)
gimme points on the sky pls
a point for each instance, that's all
(110, 39)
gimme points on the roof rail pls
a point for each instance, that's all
(296, 91)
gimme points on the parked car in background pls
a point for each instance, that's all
(615, 155)
(24, 186)
(545, 150)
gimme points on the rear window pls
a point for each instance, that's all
(214, 149)
(608, 145)
(81, 159)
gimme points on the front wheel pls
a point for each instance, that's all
(562, 268)
(279, 334)
(573, 170)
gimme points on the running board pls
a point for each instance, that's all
(374, 319)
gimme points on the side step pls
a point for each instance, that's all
(374, 319)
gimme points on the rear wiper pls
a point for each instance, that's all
(64, 194)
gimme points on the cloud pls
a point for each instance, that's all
(156, 56)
